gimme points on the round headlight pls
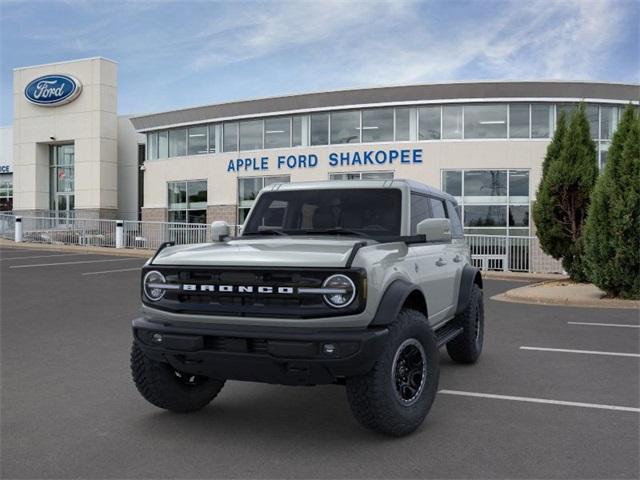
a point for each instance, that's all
(340, 291)
(152, 285)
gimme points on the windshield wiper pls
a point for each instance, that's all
(266, 231)
(334, 231)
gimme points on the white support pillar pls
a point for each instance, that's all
(119, 234)
(18, 230)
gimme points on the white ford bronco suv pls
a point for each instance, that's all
(356, 283)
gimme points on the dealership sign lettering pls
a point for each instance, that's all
(361, 158)
(53, 90)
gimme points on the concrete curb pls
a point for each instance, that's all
(571, 295)
(124, 252)
(523, 276)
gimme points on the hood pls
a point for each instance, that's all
(263, 252)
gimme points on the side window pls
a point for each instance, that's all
(419, 210)
(437, 208)
(456, 224)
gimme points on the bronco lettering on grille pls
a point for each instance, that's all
(190, 287)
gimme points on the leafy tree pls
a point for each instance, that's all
(563, 197)
(612, 233)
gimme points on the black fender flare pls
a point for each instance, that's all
(470, 276)
(392, 301)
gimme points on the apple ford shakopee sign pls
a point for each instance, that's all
(53, 90)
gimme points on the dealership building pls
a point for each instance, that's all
(483, 142)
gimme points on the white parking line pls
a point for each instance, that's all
(541, 400)
(605, 324)
(113, 271)
(42, 256)
(76, 263)
(588, 352)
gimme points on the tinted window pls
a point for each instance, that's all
(452, 183)
(377, 125)
(230, 137)
(320, 129)
(178, 142)
(429, 123)
(519, 120)
(251, 135)
(437, 208)
(485, 216)
(541, 116)
(452, 121)
(374, 212)
(419, 210)
(485, 121)
(277, 132)
(345, 127)
(197, 140)
(403, 123)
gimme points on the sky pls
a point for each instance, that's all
(176, 54)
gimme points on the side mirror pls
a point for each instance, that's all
(220, 231)
(435, 229)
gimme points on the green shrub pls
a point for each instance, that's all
(569, 174)
(612, 233)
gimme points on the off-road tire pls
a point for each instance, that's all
(373, 397)
(467, 347)
(162, 386)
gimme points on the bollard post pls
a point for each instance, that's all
(119, 234)
(18, 230)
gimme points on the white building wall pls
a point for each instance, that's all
(90, 122)
(436, 156)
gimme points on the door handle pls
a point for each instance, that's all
(441, 262)
(457, 259)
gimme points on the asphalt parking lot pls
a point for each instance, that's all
(565, 406)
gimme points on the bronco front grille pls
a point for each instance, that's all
(255, 303)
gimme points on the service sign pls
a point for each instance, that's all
(53, 90)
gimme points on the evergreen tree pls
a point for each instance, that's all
(612, 233)
(563, 197)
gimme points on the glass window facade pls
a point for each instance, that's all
(403, 124)
(541, 120)
(429, 123)
(277, 132)
(377, 125)
(251, 135)
(345, 127)
(187, 201)
(361, 176)
(519, 120)
(452, 121)
(6, 192)
(485, 121)
(248, 189)
(178, 142)
(197, 140)
(230, 137)
(493, 202)
(320, 129)
(163, 144)
(61, 179)
(372, 125)
(296, 131)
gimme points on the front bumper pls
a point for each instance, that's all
(290, 356)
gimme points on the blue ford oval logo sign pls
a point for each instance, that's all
(53, 90)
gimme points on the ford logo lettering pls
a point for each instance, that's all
(53, 90)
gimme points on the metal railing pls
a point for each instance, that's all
(69, 231)
(488, 252)
(153, 234)
(515, 254)
(7, 226)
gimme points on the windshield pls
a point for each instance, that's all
(368, 212)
